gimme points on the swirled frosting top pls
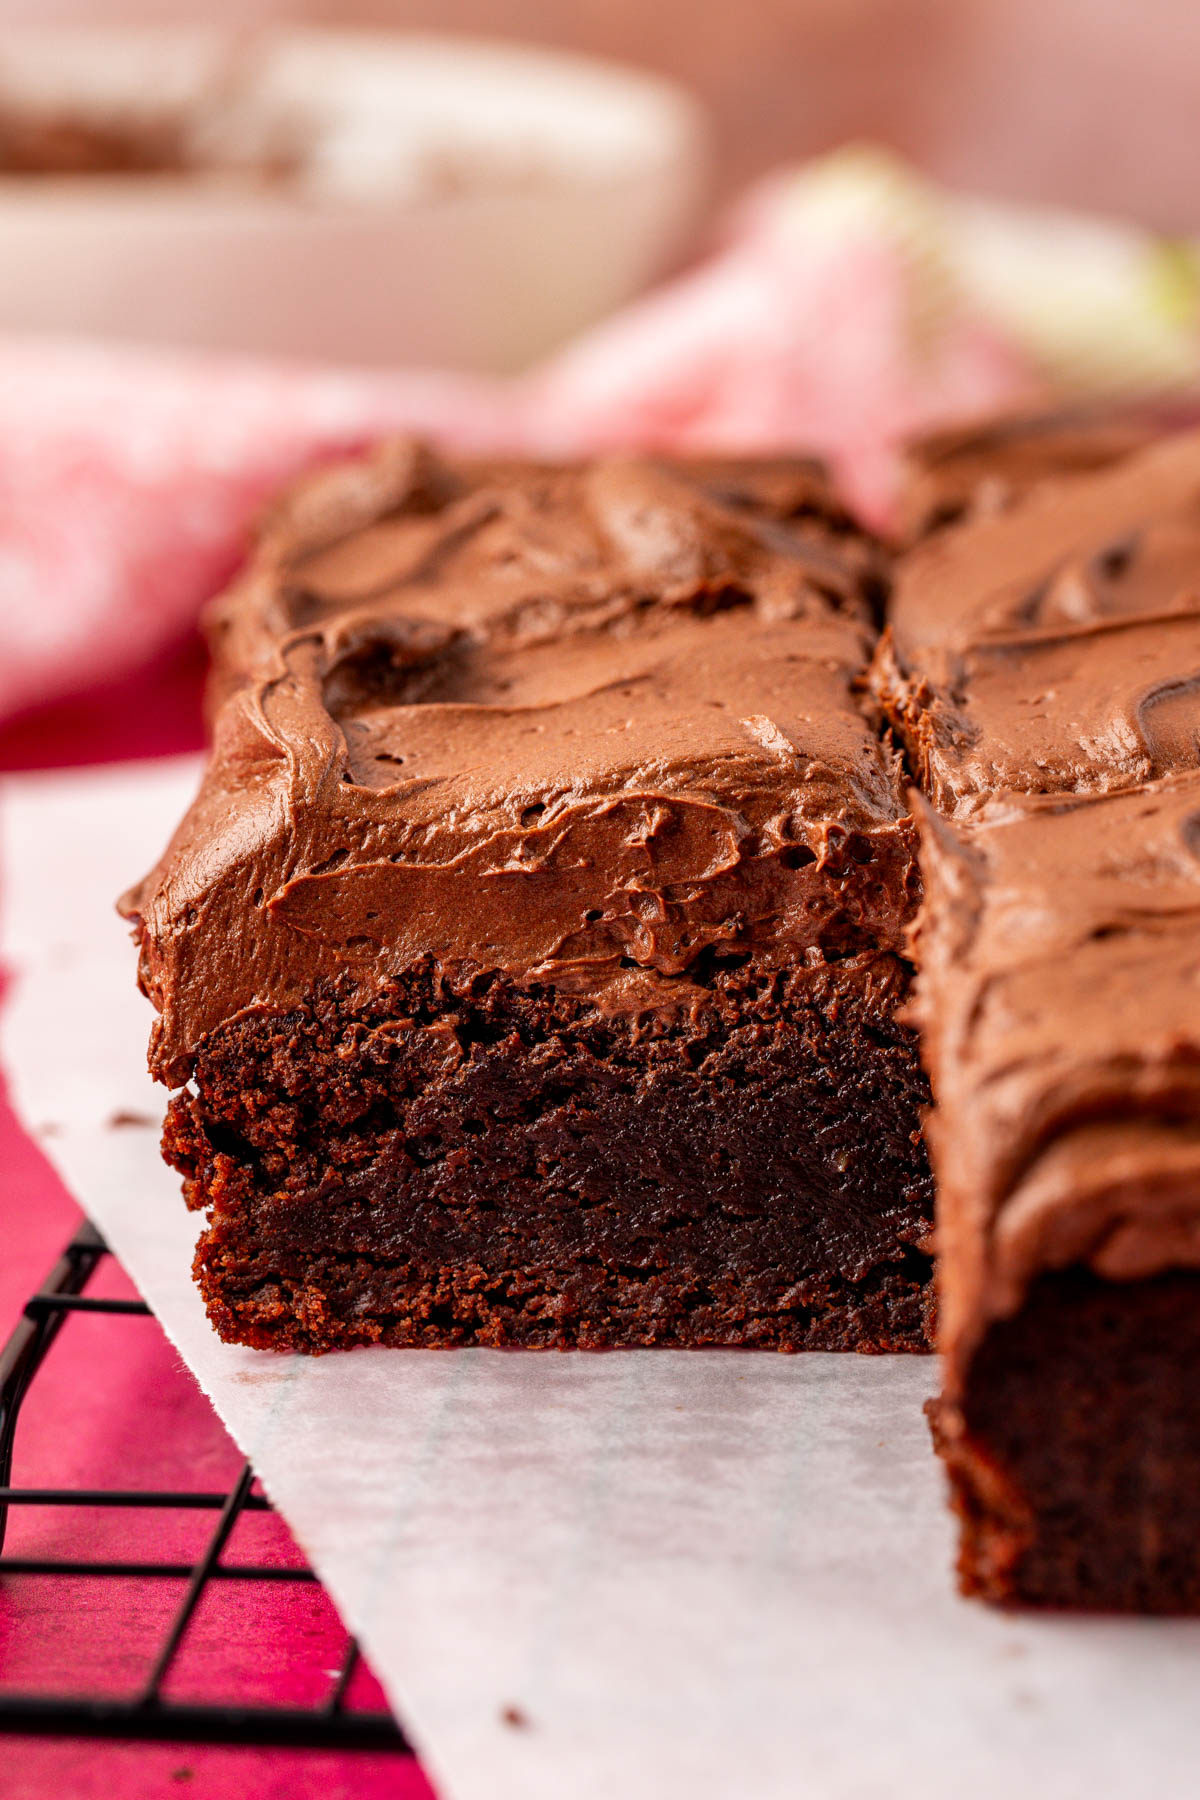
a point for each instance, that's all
(1055, 647)
(594, 726)
(982, 468)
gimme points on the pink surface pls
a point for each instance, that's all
(113, 1406)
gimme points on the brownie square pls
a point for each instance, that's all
(1060, 1004)
(528, 966)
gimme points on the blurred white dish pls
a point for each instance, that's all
(450, 202)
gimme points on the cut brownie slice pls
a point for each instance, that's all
(1043, 670)
(1060, 1003)
(532, 953)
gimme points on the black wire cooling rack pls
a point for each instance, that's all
(149, 1715)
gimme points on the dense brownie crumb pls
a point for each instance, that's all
(1076, 1462)
(474, 1162)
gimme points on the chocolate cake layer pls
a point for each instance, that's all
(546, 862)
(1075, 1456)
(510, 1167)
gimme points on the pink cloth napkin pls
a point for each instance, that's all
(807, 330)
(129, 479)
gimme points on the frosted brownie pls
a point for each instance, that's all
(529, 963)
(1060, 1007)
(1043, 669)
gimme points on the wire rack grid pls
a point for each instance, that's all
(149, 1714)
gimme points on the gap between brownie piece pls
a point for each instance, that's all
(533, 952)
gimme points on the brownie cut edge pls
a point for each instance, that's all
(1042, 668)
(1061, 962)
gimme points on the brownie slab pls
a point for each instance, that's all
(530, 961)
(1060, 951)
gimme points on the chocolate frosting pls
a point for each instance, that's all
(589, 726)
(1059, 1000)
(1056, 647)
(1042, 667)
(984, 467)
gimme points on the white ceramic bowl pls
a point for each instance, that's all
(453, 202)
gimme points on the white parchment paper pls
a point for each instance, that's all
(706, 1576)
